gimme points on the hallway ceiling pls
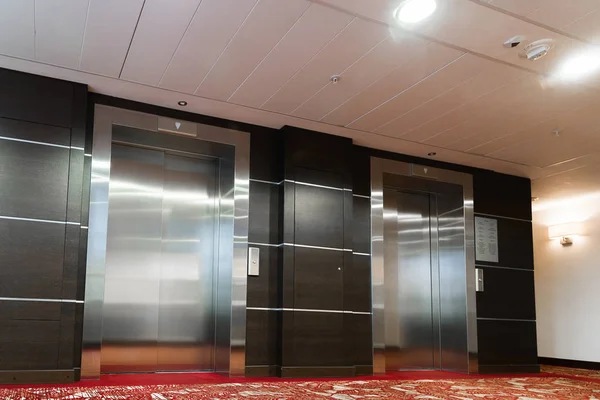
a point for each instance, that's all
(445, 85)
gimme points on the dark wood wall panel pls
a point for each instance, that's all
(32, 256)
(43, 175)
(29, 344)
(509, 294)
(34, 180)
(506, 344)
(33, 98)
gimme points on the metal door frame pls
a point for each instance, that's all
(379, 167)
(104, 118)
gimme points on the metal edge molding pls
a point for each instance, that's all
(104, 118)
(380, 166)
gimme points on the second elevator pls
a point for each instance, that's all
(422, 268)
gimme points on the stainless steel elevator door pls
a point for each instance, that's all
(158, 305)
(410, 329)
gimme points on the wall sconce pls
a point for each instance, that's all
(565, 232)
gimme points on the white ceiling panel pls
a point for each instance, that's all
(59, 27)
(357, 39)
(521, 7)
(525, 112)
(266, 25)
(422, 62)
(374, 65)
(108, 34)
(472, 117)
(558, 13)
(17, 28)
(492, 77)
(317, 27)
(587, 27)
(159, 30)
(446, 78)
(213, 26)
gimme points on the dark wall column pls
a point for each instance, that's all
(506, 320)
(263, 312)
(42, 226)
(317, 254)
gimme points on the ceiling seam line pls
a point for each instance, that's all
(532, 22)
(270, 51)
(430, 100)
(342, 73)
(434, 40)
(538, 122)
(457, 108)
(407, 89)
(34, 31)
(87, 16)
(260, 110)
(162, 76)
(231, 39)
(395, 69)
(308, 62)
(132, 37)
(443, 148)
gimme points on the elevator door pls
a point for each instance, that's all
(410, 269)
(158, 302)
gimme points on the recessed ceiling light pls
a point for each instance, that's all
(182, 103)
(580, 66)
(433, 153)
(411, 11)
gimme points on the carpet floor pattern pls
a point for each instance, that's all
(555, 383)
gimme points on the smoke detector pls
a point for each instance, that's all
(536, 50)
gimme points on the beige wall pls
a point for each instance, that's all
(567, 281)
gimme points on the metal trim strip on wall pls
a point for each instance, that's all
(105, 118)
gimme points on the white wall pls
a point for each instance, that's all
(567, 281)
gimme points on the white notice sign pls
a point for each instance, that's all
(486, 239)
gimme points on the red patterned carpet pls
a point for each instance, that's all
(555, 384)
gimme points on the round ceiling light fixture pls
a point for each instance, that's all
(182, 103)
(412, 11)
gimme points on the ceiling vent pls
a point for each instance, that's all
(536, 50)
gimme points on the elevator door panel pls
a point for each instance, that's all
(186, 319)
(158, 303)
(409, 327)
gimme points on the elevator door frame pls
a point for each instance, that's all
(232, 148)
(379, 168)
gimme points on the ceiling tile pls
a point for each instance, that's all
(472, 117)
(159, 30)
(588, 27)
(446, 78)
(266, 25)
(213, 26)
(57, 41)
(558, 13)
(521, 7)
(350, 45)
(528, 111)
(422, 62)
(491, 78)
(317, 27)
(108, 35)
(17, 28)
(374, 65)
